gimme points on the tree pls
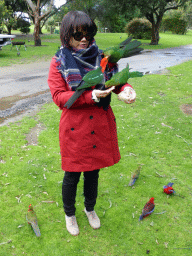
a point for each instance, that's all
(88, 6)
(3, 11)
(188, 13)
(153, 10)
(34, 11)
(113, 15)
(13, 6)
(107, 13)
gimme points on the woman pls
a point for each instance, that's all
(87, 131)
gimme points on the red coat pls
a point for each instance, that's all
(87, 133)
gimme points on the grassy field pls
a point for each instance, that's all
(153, 132)
(51, 43)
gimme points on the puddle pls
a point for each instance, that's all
(169, 53)
(27, 78)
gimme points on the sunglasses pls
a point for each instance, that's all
(78, 36)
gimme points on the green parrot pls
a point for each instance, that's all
(122, 77)
(135, 176)
(92, 78)
(32, 220)
(123, 50)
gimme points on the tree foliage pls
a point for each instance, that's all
(153, 10)
(108, 14)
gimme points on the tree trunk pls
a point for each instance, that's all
(155, 34)
(9, 27)
(37, 39)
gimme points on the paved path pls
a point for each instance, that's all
(23, 88)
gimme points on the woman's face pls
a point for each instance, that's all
(79, 45)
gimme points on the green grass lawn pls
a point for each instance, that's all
(51, 43)
(153, 132)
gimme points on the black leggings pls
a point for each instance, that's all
(69, 190)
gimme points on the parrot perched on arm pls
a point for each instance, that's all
(148, 208)
(111, 54)
(134, 176)
(123, 50)
(122, 77)
(92, 78)
(32, 219)
(168, 189)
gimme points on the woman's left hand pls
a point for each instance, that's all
(128, 95)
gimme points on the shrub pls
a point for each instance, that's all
(23, 25)
(174, 23)
(139, 28)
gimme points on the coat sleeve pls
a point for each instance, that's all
(120, 88)
(60, 91)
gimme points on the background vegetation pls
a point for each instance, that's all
(109, 15)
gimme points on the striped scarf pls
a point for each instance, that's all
(74, 64)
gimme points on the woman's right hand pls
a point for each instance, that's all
(102, 94)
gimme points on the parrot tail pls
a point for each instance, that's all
(122, 44)
(170, 184)
(132, 182)
(73, 98)
(36, 229)
(147, 214)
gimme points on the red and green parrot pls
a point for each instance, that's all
(112, 54)
(92, 78)
(121, 78)
(123, 50)
(32, 220)
(168, 189)
(96, 77)
(135, 176)
(148, 208)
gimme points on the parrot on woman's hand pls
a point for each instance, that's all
(92, 78)
(112, 54)
(148, 208)
(122, 77)
(32, 220)
(168, 189)
(123, 50)
(134, 176)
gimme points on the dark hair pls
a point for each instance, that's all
(75, 20)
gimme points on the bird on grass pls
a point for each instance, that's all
(168, 189)
(32, 220)
(148, 208)
(135, 176)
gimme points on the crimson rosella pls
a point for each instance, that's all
(168, 189)
(148, 208)
(32, 219)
